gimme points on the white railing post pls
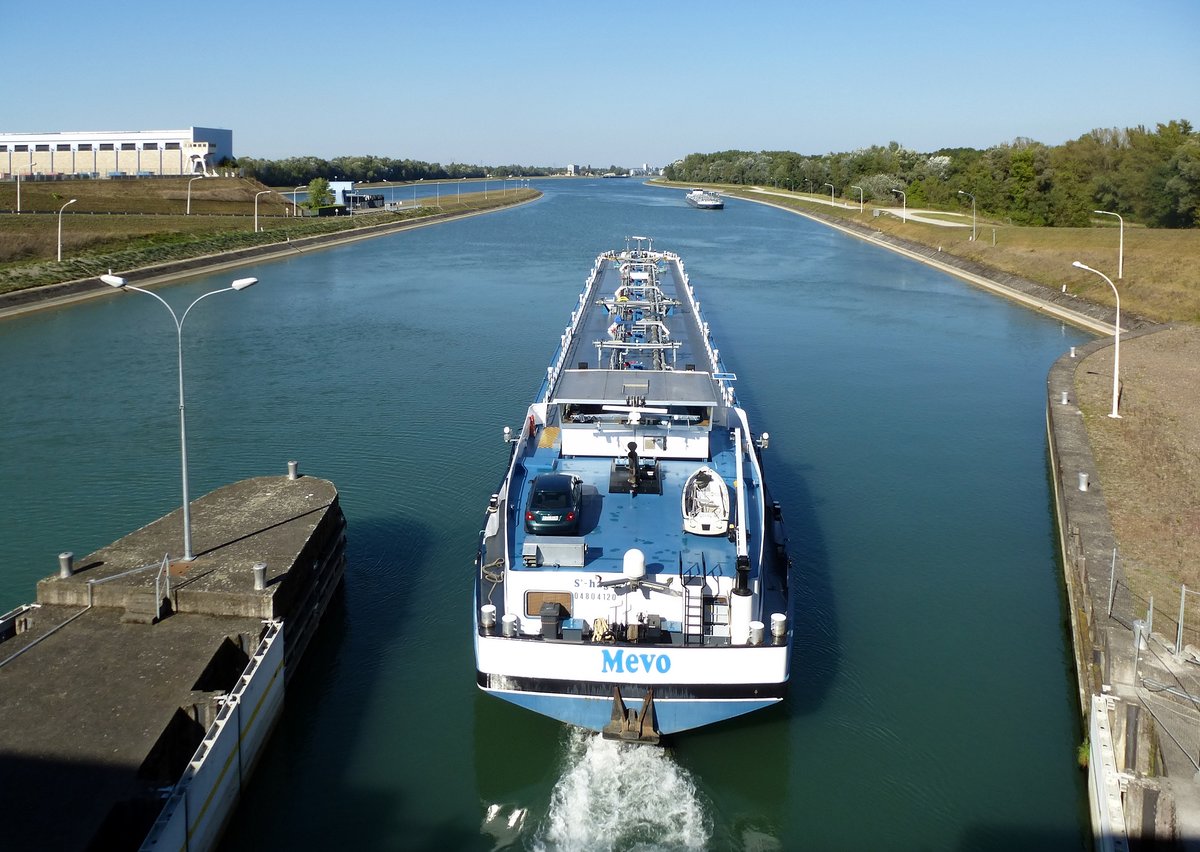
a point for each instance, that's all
(1179, 627)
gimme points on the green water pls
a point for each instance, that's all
(931, 703)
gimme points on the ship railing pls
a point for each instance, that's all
(564, 343)
(723, 377)
(746, 447)
(163, 574)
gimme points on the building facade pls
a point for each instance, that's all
(119, 153)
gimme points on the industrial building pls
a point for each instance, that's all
(114, 153)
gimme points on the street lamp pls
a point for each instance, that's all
(295, 195)
(830, 194)
(1121, 250)
(1116, 333)
(189, 200)
(972, 197)
(256, 195)
(60, 212)
(903, 204)
(239, 284)
(18, 176)
(860, 196)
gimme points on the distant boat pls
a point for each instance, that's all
(596, 603)
(703, 199)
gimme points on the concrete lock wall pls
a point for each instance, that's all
(204, 798)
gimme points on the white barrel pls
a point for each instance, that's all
(487, 616)
(757, 629)
(779, 625)
(739, 618)
(509, 624)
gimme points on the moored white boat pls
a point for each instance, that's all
(632, 574)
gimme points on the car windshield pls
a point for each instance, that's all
(550, 500)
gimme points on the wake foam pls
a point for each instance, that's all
(616, 796)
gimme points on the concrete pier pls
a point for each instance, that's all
(110, 681)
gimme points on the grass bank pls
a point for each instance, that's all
(126, 225)
(1161, 275)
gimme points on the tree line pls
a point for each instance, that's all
(1152, 177)
(296, 171)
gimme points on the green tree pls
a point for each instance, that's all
(318, 193)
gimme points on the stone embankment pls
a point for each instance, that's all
(50, 295)
(135, 667)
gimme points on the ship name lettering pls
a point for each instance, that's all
(617, 661)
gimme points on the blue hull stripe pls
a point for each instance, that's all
(671, 717)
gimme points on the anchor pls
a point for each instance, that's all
(632, 726)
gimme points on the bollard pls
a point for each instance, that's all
(293, 470)
(66, 564)
(1083, 482)
(487, 618)
(1072, 351)
(756, 633)
(260, 576)
(779, 625)
(509, 625)
(1064, 397)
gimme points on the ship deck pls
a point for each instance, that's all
(611, 523)
(613, 520)
(682, 325)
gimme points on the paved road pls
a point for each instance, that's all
(913, 215)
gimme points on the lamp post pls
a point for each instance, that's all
(295, 206)
(830, 194)
(1121, 249)
(256, 195)
(189, 199)
(972, 197)
(903, 204)
(1116, 334)
(239, 284)
(18, 176)
(860, 196)
(60, 212)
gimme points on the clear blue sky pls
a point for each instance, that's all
(550, 83)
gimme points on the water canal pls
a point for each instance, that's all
(931, 702)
